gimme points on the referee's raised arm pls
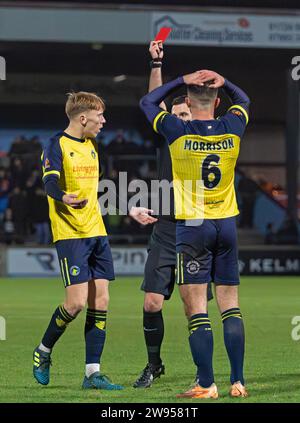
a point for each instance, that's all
(155, 80)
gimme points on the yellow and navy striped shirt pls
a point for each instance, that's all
(204, 155)
(76, 165)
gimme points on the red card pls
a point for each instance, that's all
(163, 34)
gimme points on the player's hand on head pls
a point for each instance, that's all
(142, 215)
(216, 79)
(203, 76)
(156, 50)
(193, 78)
(72, 200)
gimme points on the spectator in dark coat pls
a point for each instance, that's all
(40, 216)
(19, 207)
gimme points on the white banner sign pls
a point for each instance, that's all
(43, 262)
(32, 262)
(229, 30)
(129, 261)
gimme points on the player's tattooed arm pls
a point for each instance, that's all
(157, 53)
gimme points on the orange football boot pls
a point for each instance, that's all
(238, 390)
(198, 392)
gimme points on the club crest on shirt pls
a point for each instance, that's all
(47, 164)
(93, 154)
(193, 267)
(72, 154)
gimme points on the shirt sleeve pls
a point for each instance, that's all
(151, 101)
(52, 159)
(169, 126)
(52, 189)
(235, 120)
(237, 96)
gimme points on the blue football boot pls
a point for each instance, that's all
(98, 381)
(41, 366)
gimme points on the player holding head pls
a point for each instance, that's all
(159, 273)
(205, 150)
(71, 175)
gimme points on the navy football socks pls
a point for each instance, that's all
(58, 323)
(234, 338)
(201, 344)
(95, 333)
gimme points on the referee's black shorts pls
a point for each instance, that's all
(159, 274)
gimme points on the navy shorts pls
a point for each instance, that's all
(159, 274)
(207, 253)
(84, 259)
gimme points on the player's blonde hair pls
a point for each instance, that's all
(81, 102)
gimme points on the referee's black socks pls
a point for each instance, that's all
(154, 334)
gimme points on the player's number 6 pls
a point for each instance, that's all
(208, 170)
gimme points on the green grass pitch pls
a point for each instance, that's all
(272, 364)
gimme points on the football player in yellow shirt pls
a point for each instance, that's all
(203, 154)
(159, 272)
(71, 176)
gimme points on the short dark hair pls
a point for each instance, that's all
(203, 93)
(178, 100)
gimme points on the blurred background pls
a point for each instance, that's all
(51, 48)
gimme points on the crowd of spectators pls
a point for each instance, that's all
(23, 203)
